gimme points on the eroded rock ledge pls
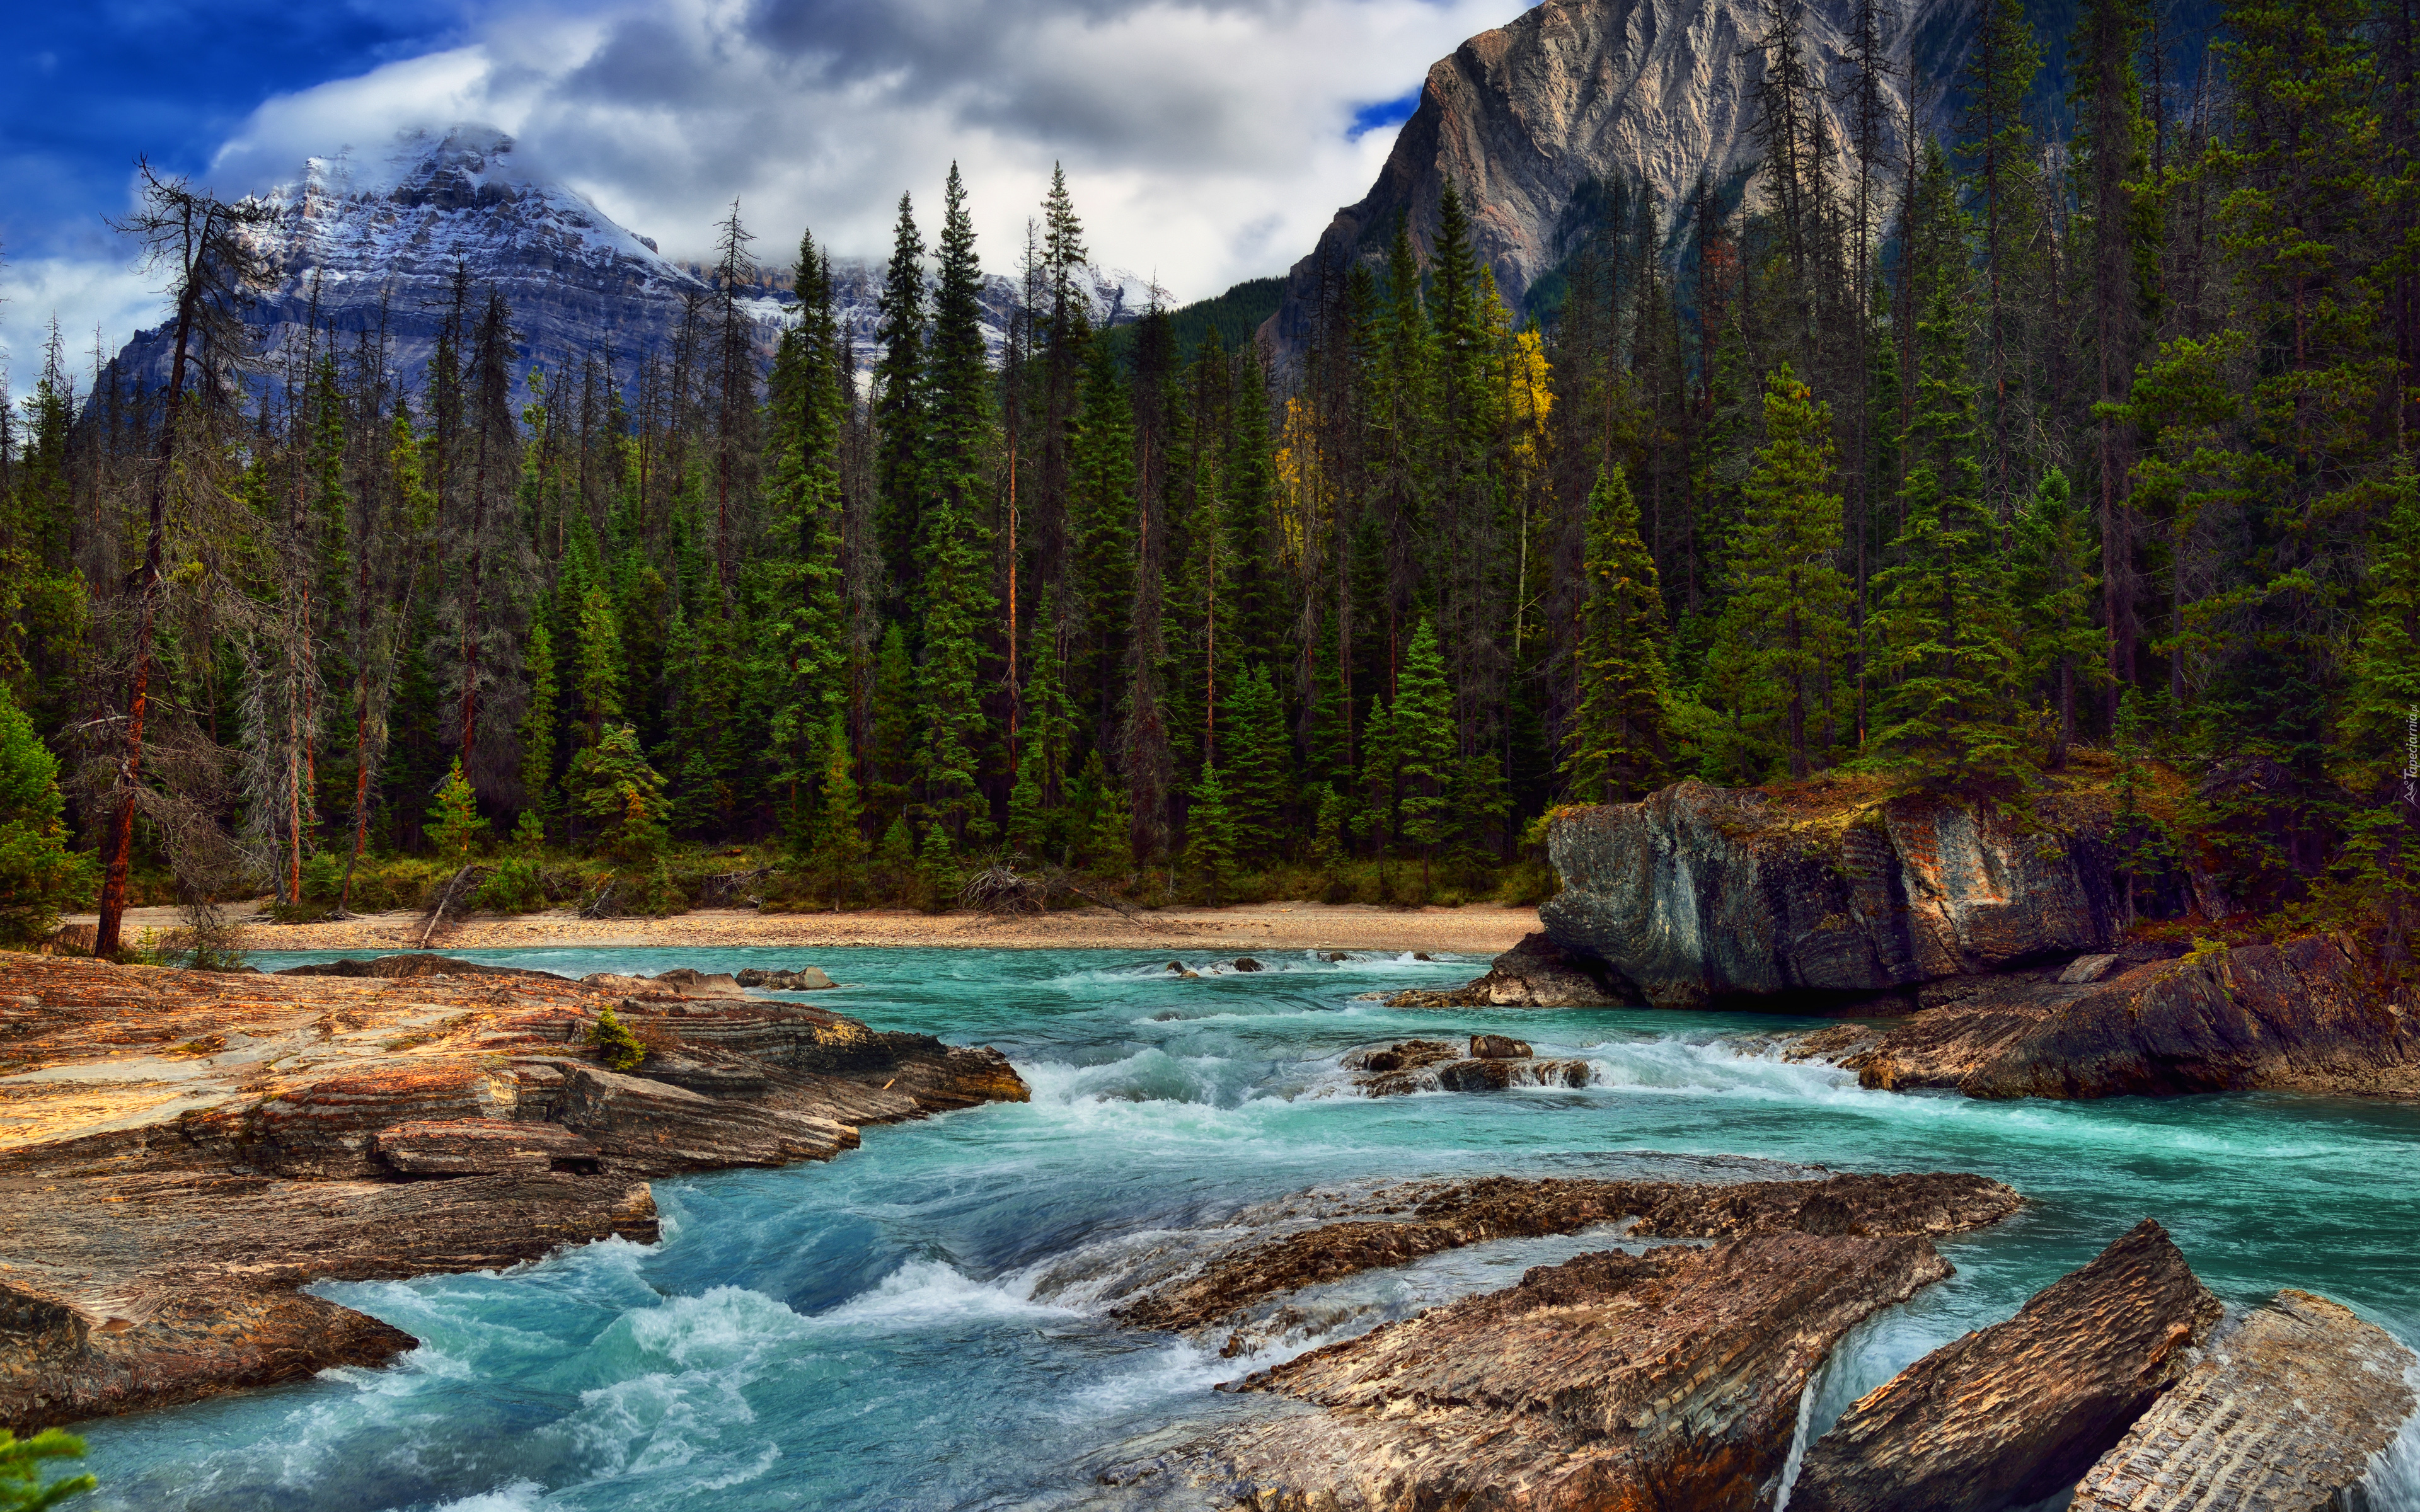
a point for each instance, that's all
(1667, 1380)
(1404, 1227)
(179, 1150)
(1994, 934)
(2301, 1016)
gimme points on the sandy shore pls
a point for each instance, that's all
(1479, 929)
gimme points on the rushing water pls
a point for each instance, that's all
(918, 1324)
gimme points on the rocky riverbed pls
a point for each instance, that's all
(179, 1150)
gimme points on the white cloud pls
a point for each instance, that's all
(1204, 142)
(116, 299)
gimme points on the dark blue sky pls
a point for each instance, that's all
(88, 85)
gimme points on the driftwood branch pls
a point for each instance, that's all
(454, 892)
(1060, 877)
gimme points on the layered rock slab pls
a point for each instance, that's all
(2301, 1016)
(2282, 1415)
(1456, 1214)
(177, 1146)
(1670, 1379)
(2015, 1412)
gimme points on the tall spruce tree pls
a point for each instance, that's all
(1619, 747)
(1791, 598)
(956, 601)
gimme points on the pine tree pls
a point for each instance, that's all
(899, 410)
(1789, 592)
(1619, 747)
(2054, 583)
(1037, 799)
(2001, 69)
(891, 763)
(2380, 727)
(809, 410)
(1210, 836)
(1256, 784)
(1948, 648)
(936, 871)
(611, 784)
(538, 729)
(456, 826)
(957, 600)
(839, 846)
(1425, 746)
(1102, 463)
(38, 873)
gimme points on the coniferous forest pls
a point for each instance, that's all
(2005, 461)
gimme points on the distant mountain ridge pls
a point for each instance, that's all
(376, 239)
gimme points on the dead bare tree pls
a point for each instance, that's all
(213, 270)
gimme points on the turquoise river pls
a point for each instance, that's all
(920, 1323)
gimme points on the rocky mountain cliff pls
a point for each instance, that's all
(381, 235)
(1577, 93)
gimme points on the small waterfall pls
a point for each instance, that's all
(2393, 1481)
(1788, 1480)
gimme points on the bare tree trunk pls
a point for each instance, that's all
(117, 846)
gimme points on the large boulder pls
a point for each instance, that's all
(1697, 893)
(2282, 1415)
(2014, 1413)
(1535, 972)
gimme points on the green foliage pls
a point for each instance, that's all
(1617, 748)
(613, 786)
(456, 826)
(2056, 586)
(20, 1470)
(538, 738)
(1790, 607)
(938, 871)
(1259, 754)
(515, 885)
(839, 846)
(1423, 744)
(622, 1050)
(39, 874)
(1210, 837)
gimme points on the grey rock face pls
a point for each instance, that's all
(1698, 894)
(1649, 92)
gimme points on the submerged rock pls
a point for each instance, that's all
(1536, 973)
(1698, 894)
(1664, 1379)
(2012, 1414)
(219, 1141)
(1494, 1064)
(804, 979)
(411, 965)
(2282, 1415)
(1452, 1216)
(2300, 1016)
